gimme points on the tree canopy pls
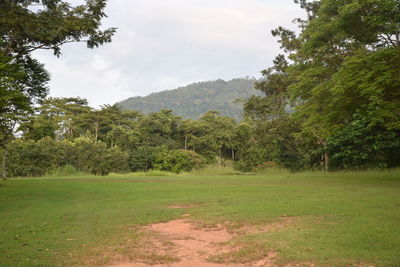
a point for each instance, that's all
(341, 69)
(29, 25)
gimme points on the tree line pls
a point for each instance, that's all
(66, 131)
(330, 101)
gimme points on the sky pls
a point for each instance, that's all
(164, 44)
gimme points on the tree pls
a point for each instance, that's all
(344, 62)
(274, 126)
(159, 129)
(29, 25)
(188, 129)
(343, 65)
(178, 161)
(37, 158)
(214, 133)
(361, 144)
(22, 84)
(57, 118)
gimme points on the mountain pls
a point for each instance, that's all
(196, 99)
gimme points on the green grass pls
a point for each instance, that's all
(345, 218)
(150, 173)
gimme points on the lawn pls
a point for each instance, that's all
(346, 218)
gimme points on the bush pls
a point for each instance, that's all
(142, 158)
(22, 159)
(37, 158)
(358, 145)
(67, 170)
(251, 157)
(178, 161)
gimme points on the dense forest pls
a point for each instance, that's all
(339, 76)
(192, 101)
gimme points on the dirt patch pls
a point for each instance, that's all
(180, 243)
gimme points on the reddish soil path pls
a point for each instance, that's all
(186, 245)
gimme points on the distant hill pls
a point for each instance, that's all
(195, 99)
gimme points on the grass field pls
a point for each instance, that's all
(339, 219)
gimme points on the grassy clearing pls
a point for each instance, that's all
(341, 218)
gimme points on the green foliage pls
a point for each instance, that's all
(253, 155)
(274, 128)
(142, 158)
(96, 158)
(23, 83)
(29, 25)
(213, 133)
(36, 158)
(159, 129)
(192, 101)
(178, 161)
(141, 137)
(65, 171)
(344, 64)
(26, 26)
(362, 145)
(368, 85)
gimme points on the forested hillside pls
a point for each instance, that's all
(196, 99)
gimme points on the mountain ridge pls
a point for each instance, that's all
(195, 99)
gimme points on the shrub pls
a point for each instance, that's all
(67, 170)
(23, 159)
(178, 161)
(360, 145)
(142, 158)
(36, 158)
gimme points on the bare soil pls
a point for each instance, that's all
(181, 243)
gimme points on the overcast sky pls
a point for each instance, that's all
(164, 44)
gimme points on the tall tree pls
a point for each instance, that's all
(345, 64)
(29, 25)
(342, 68)
(56, 117)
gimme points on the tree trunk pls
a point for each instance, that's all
(326, 161)
(186, 138)
(146, 167)
(220, 157)
(3, 165)
(96, 132)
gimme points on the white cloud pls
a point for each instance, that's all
(165, 44)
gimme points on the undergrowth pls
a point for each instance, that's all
(215, 170)
(64, 171)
